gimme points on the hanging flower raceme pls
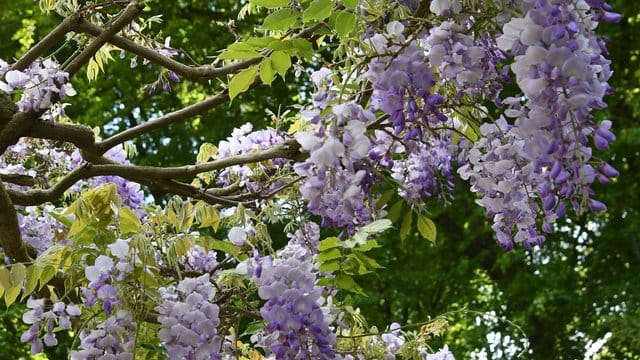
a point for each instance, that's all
(189, 319)
(43, 314)
(544, 159)
(336, 178)
(114, 338)
(297, 315)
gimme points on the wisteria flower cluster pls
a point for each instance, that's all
(402, 79)
(199, 260)
(419, 151)
(244, 140)
(40, 84)
(49, 316)
(471, 64)
(189, 320)
(298, 317)
(104, 274)
(336, 178)
(38, 228)
(113, 338)
(544, 159)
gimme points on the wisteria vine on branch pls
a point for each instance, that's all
(414, 95)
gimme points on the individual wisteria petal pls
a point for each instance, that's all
(237, 235)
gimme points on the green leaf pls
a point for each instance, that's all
(377, 226)
(224, 246)
(395, 211)
(207, 150)
(305, 48)
(5, 278)
(207, 215)
(253, 328)
(324, 281)
(346, 282)
(351, 4)
(241, 81)
(345, 23)
(61, 218)
(385, 198)
(405, 228)
(281, 20)
(11, 294)
(330, 254)
(281, 62)
(33, 275)
(129, 222)
(239, 54)
(47, 273)
(270, 3)
(369, 245)
(328, 243)
(267, 74)
(318, 11)
(427, 228)
(369, 262)
(18, 273)
(333, 265)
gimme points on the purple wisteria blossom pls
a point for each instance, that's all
(112, 339)
(48, 316)
(336, 177)
(39, 85)
(104, 274)
(297, 314)
(529, 172)
(197, 259)
(189, 320)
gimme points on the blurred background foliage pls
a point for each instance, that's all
(578, 293)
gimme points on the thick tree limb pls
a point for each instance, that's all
(7, 109)
(156, 177)
(18, 179)
(78, 135)
(193, 73)
(10, 237)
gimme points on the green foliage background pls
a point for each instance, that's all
(582, 284)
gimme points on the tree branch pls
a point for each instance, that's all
(170, 118)
(193, 73)
(286, 150)
(56, 35)
(78, 135)
(20, 123)
(130, 12)
(156, 177)
(10, 237)
(18, 179)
